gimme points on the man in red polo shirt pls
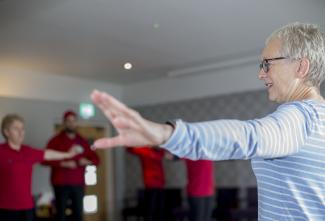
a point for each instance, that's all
(153, 179)
(67, 176)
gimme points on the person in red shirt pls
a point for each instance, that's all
(200, 189)
(67, 176)
(153, 179)
(16, 165)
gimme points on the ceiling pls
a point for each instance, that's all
(93, 39)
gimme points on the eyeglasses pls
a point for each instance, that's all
(265, 63)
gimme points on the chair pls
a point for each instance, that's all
(227, 200)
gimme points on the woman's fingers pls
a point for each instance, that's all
(108, 102)
(96, 97)
(122, 123)
(131, 127)
(110, 106)
(104, 143)
(119, 114)
(107, 109)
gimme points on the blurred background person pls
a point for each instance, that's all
(67, 176)
(200, 189)
(16, 166)
(153, 179)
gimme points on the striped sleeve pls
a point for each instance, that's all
(279, 134)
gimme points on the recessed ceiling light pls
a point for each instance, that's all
(127, 66)
(156, 25)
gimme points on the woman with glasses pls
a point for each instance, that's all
(16, 165)
(286, 148)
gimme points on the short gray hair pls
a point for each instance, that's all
(301, 40)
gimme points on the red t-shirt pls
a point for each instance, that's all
(152, 166)
(66, 176)
(16, 176)
(200, 178)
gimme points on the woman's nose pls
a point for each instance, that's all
(261, 74)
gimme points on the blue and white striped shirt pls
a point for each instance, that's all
(287, 153)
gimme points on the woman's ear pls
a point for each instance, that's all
(303, 68)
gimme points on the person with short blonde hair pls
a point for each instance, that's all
(16, 167)
(7, 121)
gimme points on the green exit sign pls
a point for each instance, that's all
(86, 110)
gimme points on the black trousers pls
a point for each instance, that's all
(200, 208)
(154, 202)
(17, 215)
(72, 194)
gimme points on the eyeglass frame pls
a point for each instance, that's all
(265, 63)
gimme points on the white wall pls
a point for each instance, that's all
(24, 84)
(198, 85)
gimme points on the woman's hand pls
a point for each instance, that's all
(132, 128)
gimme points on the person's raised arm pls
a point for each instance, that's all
(132, 128)
(279, 134)
(59, 155)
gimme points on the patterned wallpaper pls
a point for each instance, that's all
(242, 106)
